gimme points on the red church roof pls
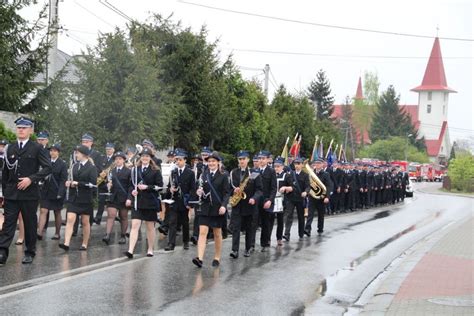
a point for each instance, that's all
(433, 146)
(412, 110)
(435, 78)
(359, 95)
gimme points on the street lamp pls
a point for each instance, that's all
(406, 146)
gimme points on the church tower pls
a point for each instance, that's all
(433, 100)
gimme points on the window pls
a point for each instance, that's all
(430, 95)
(444, 109)
(428, 108)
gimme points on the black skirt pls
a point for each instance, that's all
(212, 221)
(147, 215)
(118, 206)
(80, 208)
(50, 204)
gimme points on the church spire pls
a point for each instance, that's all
(434, 78)
(359, 95)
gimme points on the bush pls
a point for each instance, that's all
(461, 173)
(7, 134)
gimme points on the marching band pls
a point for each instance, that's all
(135, 183)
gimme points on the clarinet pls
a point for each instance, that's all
(69, 178)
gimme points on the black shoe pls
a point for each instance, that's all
(301, 238)
(27, 259)
(106, 239)
(197, 262)
(122, 240)
(55, 237)
(128, 255)
(63, 246)
(83, 248)
(97, 221)
(169, 248)
(320, 232)
(3, 258)
(39, 237)
(286, 238)
(74, 234)
(194, 240)
(247, 253)
(234, 254)
(149, 255)
(162, 230)
(252, 249)
(307, 233)
(186, 246)
(215, 263)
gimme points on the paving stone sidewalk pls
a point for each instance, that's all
(437, 282)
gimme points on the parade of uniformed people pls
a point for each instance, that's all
(243, 158)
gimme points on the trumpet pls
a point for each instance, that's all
(318, 189)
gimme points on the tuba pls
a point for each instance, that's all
(318, 189)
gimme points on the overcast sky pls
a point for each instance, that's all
(83, 19)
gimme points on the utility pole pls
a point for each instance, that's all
(352, 142)
(52, 38)
(266, 71)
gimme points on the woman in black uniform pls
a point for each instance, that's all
(118, 185)
(52, 192)
(144, 196)
(81, 186)
(214, 191)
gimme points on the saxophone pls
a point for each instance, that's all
(237, 197)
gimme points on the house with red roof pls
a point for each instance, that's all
(430, 115)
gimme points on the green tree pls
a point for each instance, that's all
(371, 88)
(289, 114)
(393, 148)
(6, 134)
(461, 173)
(389, 120)
(19, 61)
(319, 92)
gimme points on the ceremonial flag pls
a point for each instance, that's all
(295, 148)
(315, 153)
(321, 149)
(284, 152)
(329, 149)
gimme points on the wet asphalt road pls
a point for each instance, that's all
(319, 275)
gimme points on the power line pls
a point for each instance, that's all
(92, 13)
(113, 8)
(347, 28)
(262, 51)
(273, 77)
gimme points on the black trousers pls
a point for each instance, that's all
(315, 207)
(290, 209)
(267, 223)
(280, 224)
(242, 223)
(100, 207)
(178, 217)
(13, 208)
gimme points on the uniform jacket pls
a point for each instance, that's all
(326, 180)
(213, 199)
(121, 182)
(300, 184)
(54, 187)
(147, 199)
(33, 162)
(86, 174)
(187, 187)
(269, 185)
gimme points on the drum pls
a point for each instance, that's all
(278, 204)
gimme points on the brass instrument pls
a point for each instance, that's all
(129, 163)
(237, 197)
(318, 189)
(105, 174)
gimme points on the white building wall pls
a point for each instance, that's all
(432, 112)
